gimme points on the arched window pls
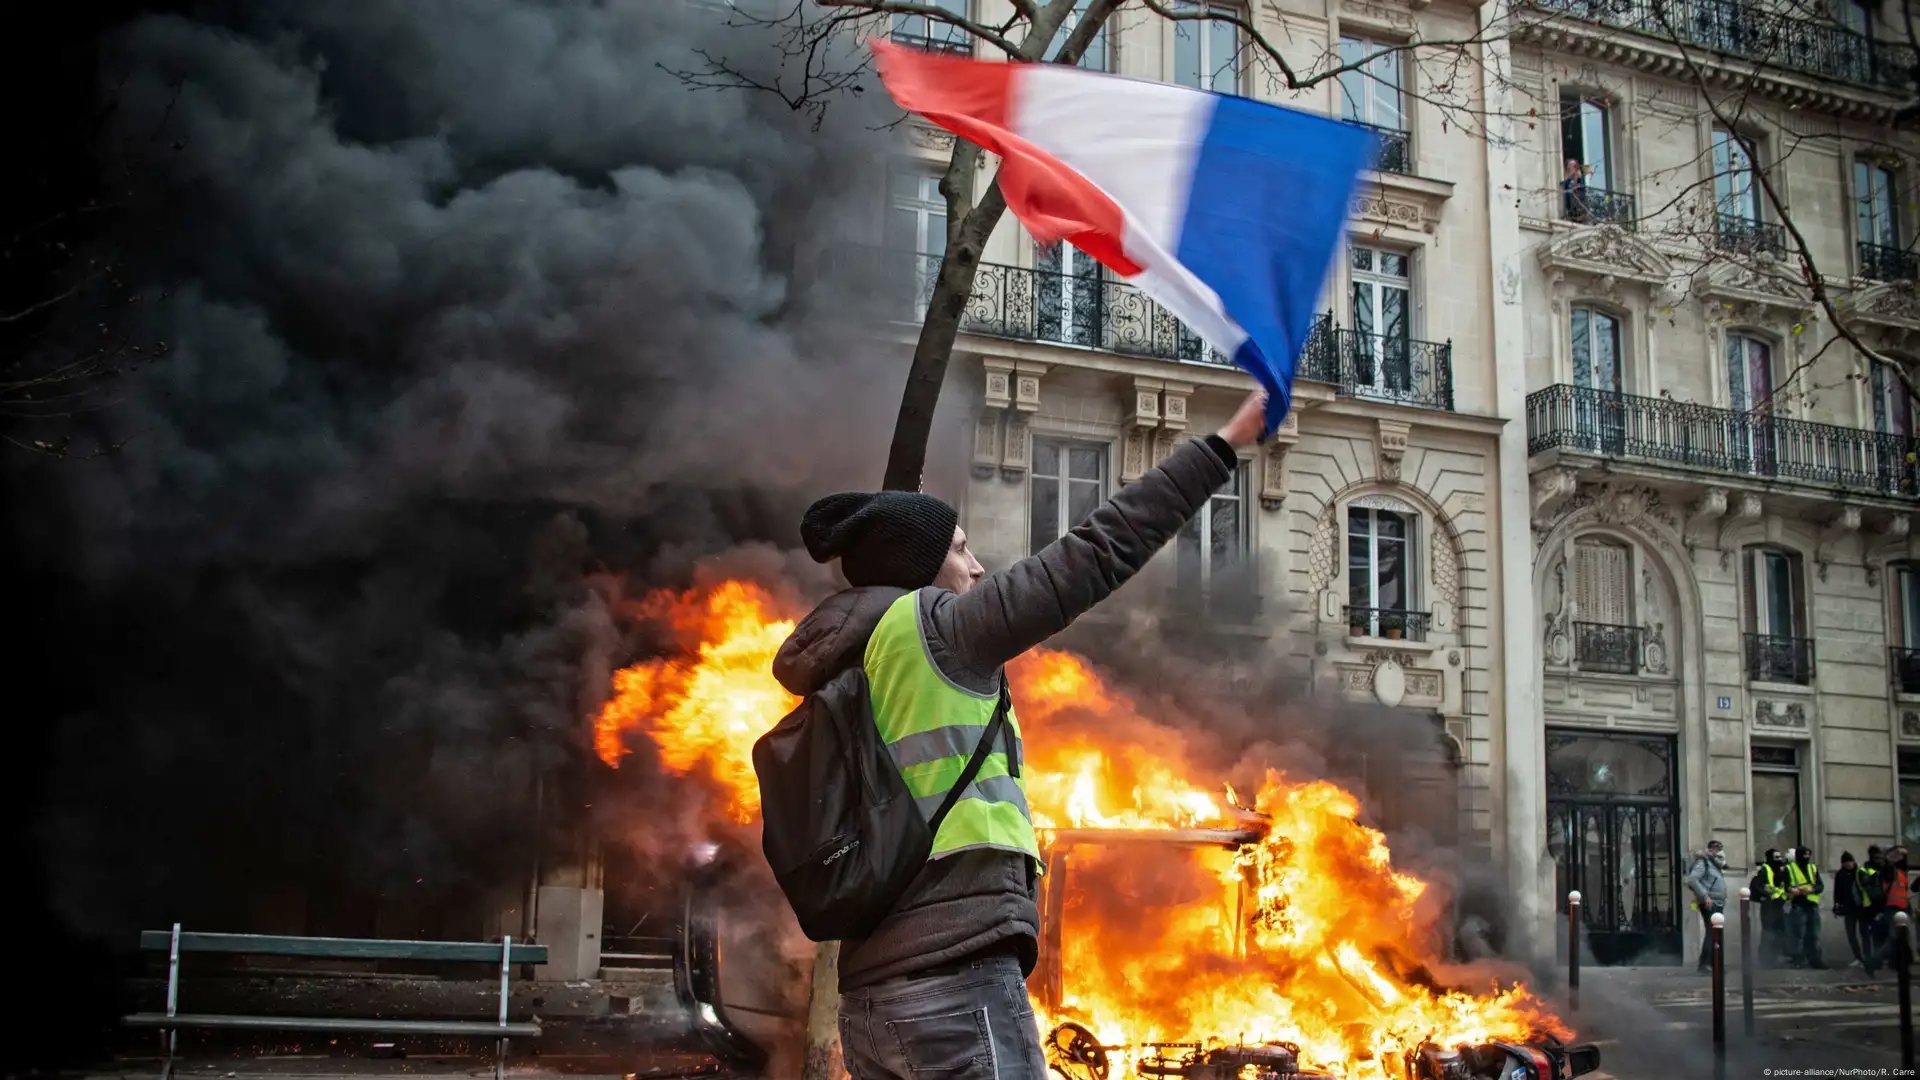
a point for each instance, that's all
(1382, 586)
(1604, 635)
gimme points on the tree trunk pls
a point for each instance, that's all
(907, 457)
(823, 1060)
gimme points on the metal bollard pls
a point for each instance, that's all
(1746, 963)
(1903, 975)
(1573, 950)
(1719, 933)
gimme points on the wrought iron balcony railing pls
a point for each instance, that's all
(1780, 659)
(1744, 29)
(1390, 623)
(1904, 665)
(1380, 367)
(1881, 263)
(1589, 205)
(960, 44)
(1606, 648)
(1746, 236)
(1396, 148)
(1069, 309)
(1582, 419)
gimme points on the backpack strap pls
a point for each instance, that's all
(979, 758)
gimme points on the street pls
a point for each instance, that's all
(1653, 1023)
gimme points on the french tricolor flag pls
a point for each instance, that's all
(1226, 211)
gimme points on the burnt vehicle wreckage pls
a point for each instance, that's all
(724, 990)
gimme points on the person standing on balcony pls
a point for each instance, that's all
(938, 988)
(1707, 879)
(1573, 187)
(1803, 910)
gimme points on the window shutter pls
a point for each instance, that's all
(1602, 589)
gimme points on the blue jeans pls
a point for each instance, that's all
(976, 1024)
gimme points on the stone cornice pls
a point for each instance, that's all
(1563, 33)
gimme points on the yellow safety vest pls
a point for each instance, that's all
(931, 727)
(1803, 879)
(1772, 890)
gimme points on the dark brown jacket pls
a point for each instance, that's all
(978, 900)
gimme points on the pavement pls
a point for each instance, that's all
(1657, 1023)
(1651, 1023)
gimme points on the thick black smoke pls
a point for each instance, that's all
(474, 311)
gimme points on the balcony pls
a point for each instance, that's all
(1904, 665)
(1396, 148)
(1608, 649)
(1380, 367)
(1780, 659)
(1744, 30)
(1583, 420)
(1747, 236)
(1588, 205)
(1393, 624)
(1881, 263)
(960, 44)
(1071, 309)
(1090, 311)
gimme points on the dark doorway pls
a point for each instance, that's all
(1613, 832)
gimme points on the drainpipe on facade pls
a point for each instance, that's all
(1519, 763)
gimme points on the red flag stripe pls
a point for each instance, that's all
(972, 99)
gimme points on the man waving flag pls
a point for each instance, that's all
(1226, 211)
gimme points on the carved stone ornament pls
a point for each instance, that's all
(1759, 285)
(986, 444)
(1389, 683)
(1838, 528)
(1549, 488)
(1792, 715)
(1711, 506)
(1274, 481)
(1392, 447)
(1375, 207)
(1603, 251)
(1895, 304)
(1018, 450)
(931, 138)
(1655, 658)
(1321, 552)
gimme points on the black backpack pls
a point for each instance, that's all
(839, 827)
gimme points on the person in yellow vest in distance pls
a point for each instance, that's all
(1769, 889)
(938, 987)
(1803, 910)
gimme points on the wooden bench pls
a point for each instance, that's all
(175, 942)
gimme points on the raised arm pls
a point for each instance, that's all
(1037, 597)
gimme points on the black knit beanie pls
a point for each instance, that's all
(897, 538)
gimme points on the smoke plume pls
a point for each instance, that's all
(474, 312)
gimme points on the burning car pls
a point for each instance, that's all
(1265, 938)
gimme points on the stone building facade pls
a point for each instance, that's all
(1365, 540)
(1720, 484)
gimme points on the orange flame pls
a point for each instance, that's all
(1309, 936)
(709, 710)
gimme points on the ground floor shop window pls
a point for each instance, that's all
(1776, 797)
